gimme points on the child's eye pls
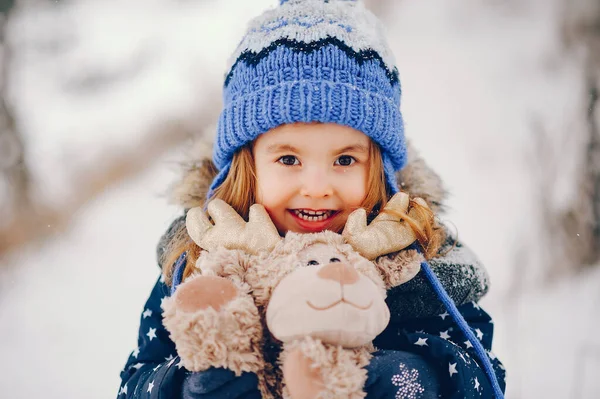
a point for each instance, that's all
(312, 263)
(345, 160)
(288, 160)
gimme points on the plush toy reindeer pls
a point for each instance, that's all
(299, 311)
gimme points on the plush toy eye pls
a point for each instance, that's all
(312, 263)
(334, 260)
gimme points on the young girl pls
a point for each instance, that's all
(311, 129)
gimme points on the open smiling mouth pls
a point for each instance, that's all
(337, 303)
(311, 216)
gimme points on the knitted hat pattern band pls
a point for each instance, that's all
(312, 61)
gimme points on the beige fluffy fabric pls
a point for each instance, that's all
(283, 259)
(228, 338)
(342, 370)
(399, 267)
(225, 263)
(236, 337)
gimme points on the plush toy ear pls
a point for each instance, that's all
(230, 230)
(387, 233)
(197, 224)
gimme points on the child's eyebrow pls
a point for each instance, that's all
(353, 148)
(273, 148)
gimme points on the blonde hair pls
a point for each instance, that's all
(239, 191)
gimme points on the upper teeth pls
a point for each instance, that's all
(312, 215)
(316, 213)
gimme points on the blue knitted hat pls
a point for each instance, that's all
(312, 61)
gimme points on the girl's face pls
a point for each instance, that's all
(310, 174)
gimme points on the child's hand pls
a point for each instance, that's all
(392, 373)
(217, 383)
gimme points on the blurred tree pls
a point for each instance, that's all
(6, 6)
(13, 166)
(25, 217)
(569, 215)
(580, 225)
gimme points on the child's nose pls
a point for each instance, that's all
(316, 184)
(340, 272)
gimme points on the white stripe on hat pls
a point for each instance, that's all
(312, 20)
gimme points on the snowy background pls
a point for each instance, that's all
(91, 79)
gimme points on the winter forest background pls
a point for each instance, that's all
(100, 100)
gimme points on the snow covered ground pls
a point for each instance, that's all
(91, 74)
(69, 310)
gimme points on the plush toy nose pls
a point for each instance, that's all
(339, 272)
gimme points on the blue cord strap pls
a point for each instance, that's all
(464, 326)
(178, 271)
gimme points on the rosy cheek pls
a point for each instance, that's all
(278, 219)
(269, 210)
(274, 214)
(355, 197)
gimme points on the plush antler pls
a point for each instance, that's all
(230, 230)
(385, 234)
